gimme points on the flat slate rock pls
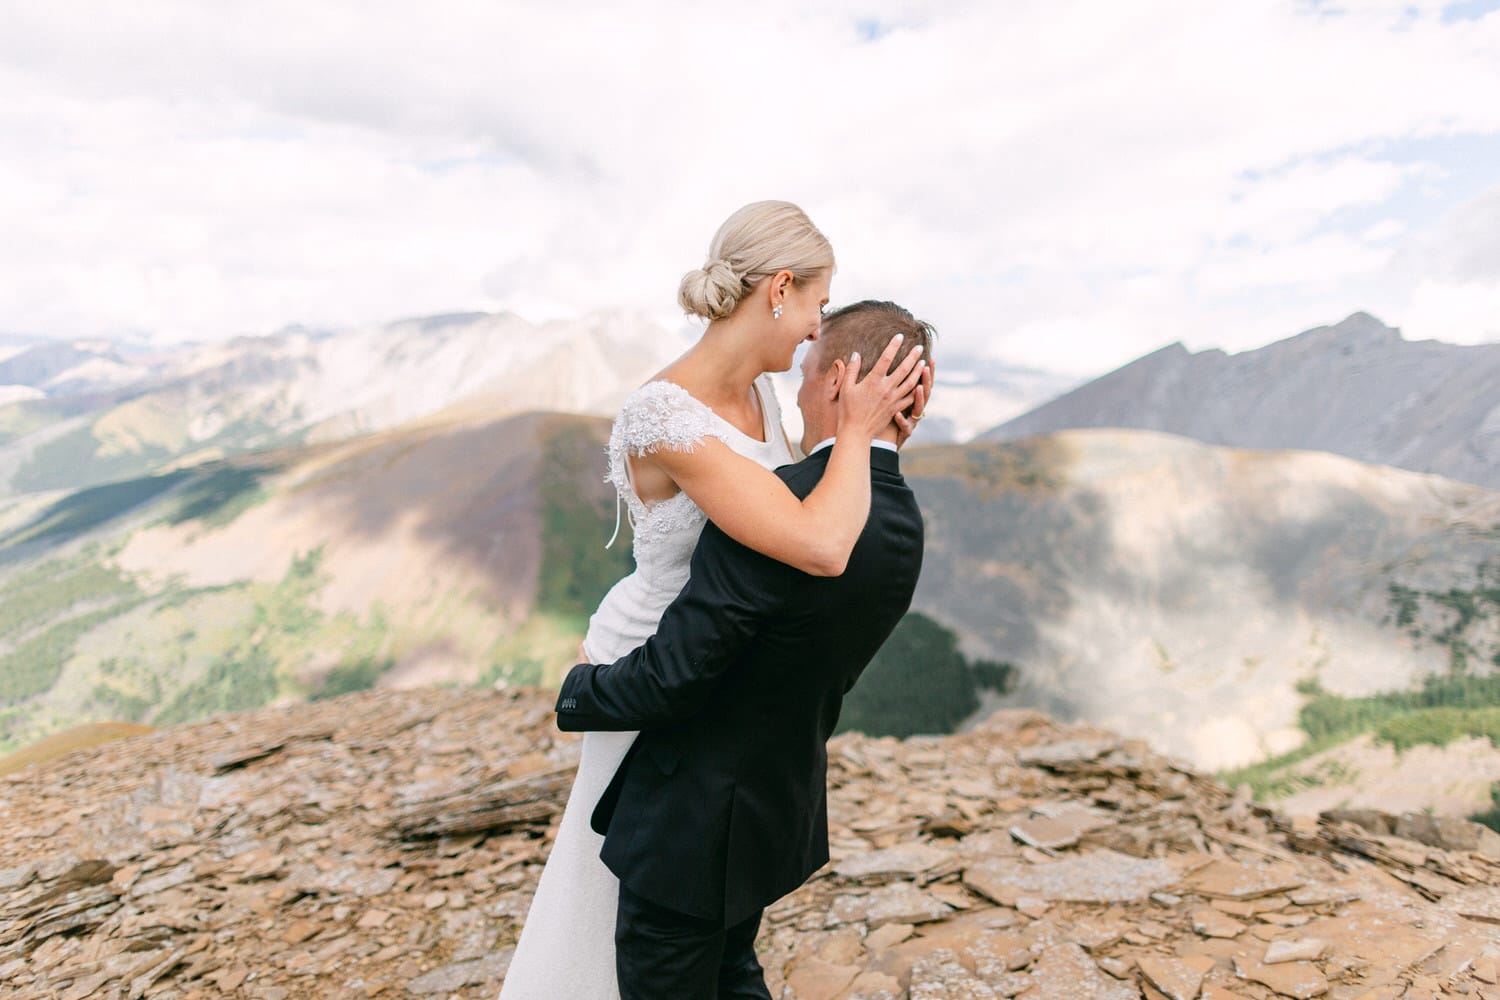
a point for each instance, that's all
(1177, 978)
(1066, 753)
(451, 977)
(900, 903)
(902, 860)
(1066, 972)
(1299, 980)
(1102, 876)
(1478, 902)
(1227, 880)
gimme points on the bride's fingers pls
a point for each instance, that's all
(919, 399)
(851, 375)
(887, 357)
(905, 428)
(902, 375)
(909, 375)
(890, 385)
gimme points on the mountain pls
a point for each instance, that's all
(81, 413)
(43, 382)
(972, 392)
(84, 413)
(458, 551)
(93, 424)
(1198, 596)
(57, 368)
(1192, 594)
(1356, 389)
(389, 843)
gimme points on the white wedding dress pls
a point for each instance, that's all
(567, 945)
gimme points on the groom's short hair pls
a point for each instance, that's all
(867, 327)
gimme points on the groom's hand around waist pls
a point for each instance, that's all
(731, 593)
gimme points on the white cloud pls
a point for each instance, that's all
(1467, 312)
(1466, 243)
(1068, 184)
(1385, 229)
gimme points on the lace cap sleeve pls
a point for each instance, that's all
(657, 416)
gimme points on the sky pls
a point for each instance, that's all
(1064, 184)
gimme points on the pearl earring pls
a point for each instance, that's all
(776, 312)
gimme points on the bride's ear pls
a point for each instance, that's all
(779, 287)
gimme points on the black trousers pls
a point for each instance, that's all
(661, 954)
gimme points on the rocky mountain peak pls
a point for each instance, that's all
(1356, 388)
(386, 844)
(1357, 331)
(1174, 352)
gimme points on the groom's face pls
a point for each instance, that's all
(817, 397)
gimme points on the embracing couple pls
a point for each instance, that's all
(719, 666)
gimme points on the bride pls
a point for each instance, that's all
(698, 442)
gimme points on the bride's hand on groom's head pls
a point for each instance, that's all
(906, 425)
(868, 405)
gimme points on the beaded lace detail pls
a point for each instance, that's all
(662, 415)
(656, 417)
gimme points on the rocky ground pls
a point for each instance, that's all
(386, 844)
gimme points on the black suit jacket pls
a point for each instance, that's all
(720, 806)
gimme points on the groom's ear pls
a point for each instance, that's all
(834, 377)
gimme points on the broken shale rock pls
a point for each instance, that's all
(387, 843)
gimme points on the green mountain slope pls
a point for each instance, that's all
(463, 553)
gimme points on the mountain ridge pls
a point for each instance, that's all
(136, 409)
(1356, 388)
(255, 392)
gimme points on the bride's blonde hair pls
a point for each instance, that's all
(754, 243)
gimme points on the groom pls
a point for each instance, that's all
(720, 806)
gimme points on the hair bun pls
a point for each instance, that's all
(760, 239)
(721, 273)
(712, 291)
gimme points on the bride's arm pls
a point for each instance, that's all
(752, 505)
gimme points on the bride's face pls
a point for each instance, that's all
(801, 313)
